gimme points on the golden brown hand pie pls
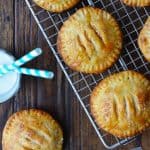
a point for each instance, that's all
(144, 40)
(32, 130)
(56, 5)
(90, 41)
(139, 3)
(120, 104)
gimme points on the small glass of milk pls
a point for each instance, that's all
(9, 83)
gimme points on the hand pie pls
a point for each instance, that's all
(120, 104)
(56, 5)
(139, 3)
(90, 41)
(32, 130)
(144, 40)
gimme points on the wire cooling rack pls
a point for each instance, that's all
(131, 21)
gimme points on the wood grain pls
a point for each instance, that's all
(19, 34)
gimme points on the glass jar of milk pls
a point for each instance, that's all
(9, 83)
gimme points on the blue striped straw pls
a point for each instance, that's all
(28, 57)
(36, 72)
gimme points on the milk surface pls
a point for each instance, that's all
(7, 82)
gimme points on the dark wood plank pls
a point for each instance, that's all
(145, 140)
(6, 42)
(19, 34)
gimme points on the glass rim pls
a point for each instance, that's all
(13, 90)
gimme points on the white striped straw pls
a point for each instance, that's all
(28, 57)
(36, 72)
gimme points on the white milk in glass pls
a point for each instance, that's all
(9, 83)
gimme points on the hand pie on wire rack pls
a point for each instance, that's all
(90, 41)
(56, 5)
(120, 104)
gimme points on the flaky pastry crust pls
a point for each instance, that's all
(120, 104)
(32, 130)
(90, 41)
(56, 5)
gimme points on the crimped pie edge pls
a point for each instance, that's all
(140, 3)
(63, 7)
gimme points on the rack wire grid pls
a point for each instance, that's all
(131, 21)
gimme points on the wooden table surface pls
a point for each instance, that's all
(19, 34)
